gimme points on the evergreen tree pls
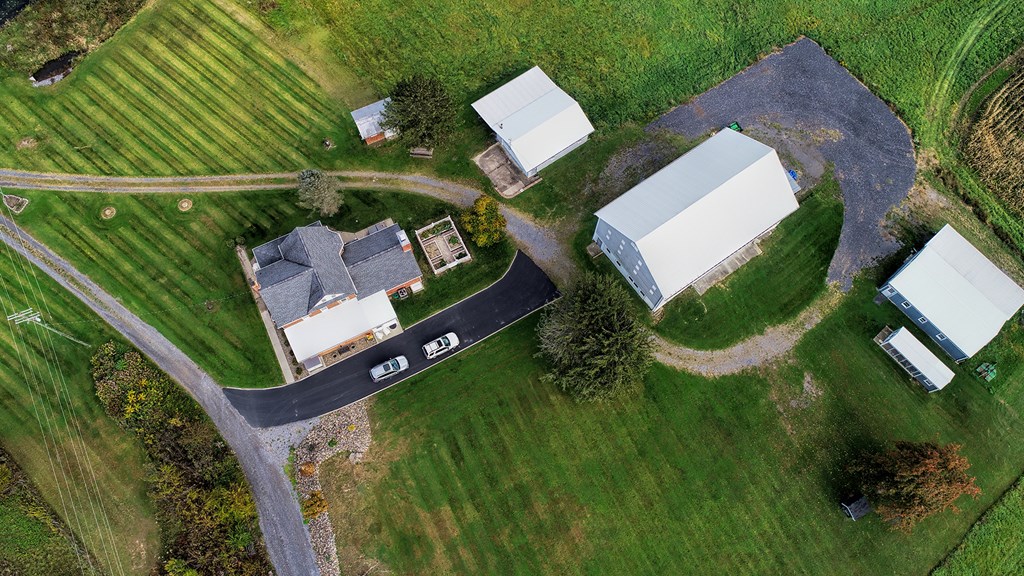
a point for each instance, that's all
(597, 346)
(422, 111)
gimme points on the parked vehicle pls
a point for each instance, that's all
(445, 343)
(389, 368)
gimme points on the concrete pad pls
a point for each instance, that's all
(506, 177)
(723, 270)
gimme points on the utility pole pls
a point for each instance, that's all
(30, 315)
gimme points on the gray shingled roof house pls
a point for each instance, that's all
(325, 292)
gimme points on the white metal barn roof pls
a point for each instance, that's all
(536, 117)
(339, 324)
(700, 209)
(959, 290)
(368, 119)
(921, 357)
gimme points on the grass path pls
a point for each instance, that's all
(772, 344)
(939, 101)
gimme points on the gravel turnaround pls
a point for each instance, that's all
(286, 538)
(801, 93)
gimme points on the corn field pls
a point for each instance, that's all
(995, 146)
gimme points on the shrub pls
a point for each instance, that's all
(205, 509)
(484, 222)
(314, 505)
(912, 481)
(319, 192)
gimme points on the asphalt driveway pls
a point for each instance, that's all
(524, 289)
(814, 112)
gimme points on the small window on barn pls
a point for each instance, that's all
(940, 337)
(652, 289)
(905, 304)
(889, 291)
(922, 320)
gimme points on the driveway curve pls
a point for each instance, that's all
(286, 538)
(522, 290)
(800, 99)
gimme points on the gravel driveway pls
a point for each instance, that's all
(813, 111)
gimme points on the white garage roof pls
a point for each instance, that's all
(959, 290)
(342, 323)
(921, 357)
(700, 209)
(534, 116)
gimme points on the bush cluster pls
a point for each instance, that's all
(204, 506)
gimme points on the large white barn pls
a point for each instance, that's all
(536, 121)
(686, 219)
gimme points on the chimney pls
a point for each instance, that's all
(404, 240)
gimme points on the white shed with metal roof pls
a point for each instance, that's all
(955, 294)
(917, 360)
(535, 121)
(692, 215)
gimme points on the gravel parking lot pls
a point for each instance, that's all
(814, 112)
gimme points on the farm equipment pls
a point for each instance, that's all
(987, 371)
(735, 126)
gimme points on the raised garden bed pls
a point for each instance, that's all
(443, 245)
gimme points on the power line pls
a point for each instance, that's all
(59, 384)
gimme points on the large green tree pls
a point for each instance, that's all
(319, 192)
(422, 111)
(913, 480)
(484, 222)
(597, 346)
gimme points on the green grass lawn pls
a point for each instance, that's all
(187, 87)
(508, 476)
(179, 272)
(771, 288)
(88, 470)
(995, 545)
(35, 541)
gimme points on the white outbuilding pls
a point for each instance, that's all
(694, 214)
(954, 294)
(917, 359)
(535, 121)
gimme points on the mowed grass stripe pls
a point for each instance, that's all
(284, 70)
(194, 97)
(260, 124)
(180, 107)
(41, 116)
(292, 107)
(165, 135)
(243, 70)
(97, 122)
(239, 127)
(138, 146)
(231, 56)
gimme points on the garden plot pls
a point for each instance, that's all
(443, 245)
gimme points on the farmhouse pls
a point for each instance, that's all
(916, 359)
(954, 294)
(368, 119)
(535, 121)
(676, 226)
(325, 293)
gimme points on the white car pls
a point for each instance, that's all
(389, 368)
(435, 348)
